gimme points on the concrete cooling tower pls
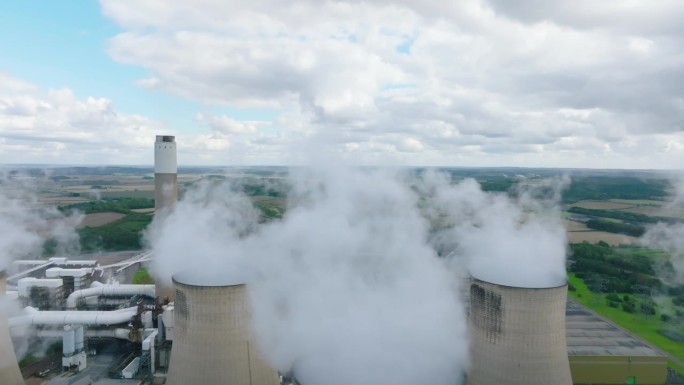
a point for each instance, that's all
(518, 335)
(212, 339)
(9, 368)
(165, 172)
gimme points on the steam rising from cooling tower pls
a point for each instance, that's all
(165, 173)
(518, 335)
(213, 341)
(348, 287)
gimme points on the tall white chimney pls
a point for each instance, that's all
(165, 173)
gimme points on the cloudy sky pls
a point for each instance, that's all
(574, 83)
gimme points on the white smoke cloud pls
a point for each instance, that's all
(517, 242)
(352, 293)
(670, 237)
(203, 230)
(25, 224)
(348, 288)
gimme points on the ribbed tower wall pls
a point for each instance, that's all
(212, 339)
(518, 335)
(9, 367)
(165, 173)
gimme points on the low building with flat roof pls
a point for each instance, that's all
(603, 353)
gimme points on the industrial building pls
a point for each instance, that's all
(603, 353)
(517, 335)
(212, 341)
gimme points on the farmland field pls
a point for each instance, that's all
(573, 226)
(100, 219)
(579, 232)
(144, 211)
(596, 236)
(604, 205)
(656, 211)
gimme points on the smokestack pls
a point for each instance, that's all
(9, 366)
(212, 341)
(165, 173)
(518, 335)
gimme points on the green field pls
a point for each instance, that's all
(643, 326)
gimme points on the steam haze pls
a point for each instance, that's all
(25, 225)
(348, 287)
(670, 237)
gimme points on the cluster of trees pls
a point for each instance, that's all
(606, 270)
(615, 227)
(117, 205)
(602, 188)
(123, 234)
(623, 215)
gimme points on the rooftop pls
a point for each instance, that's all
(590, 335)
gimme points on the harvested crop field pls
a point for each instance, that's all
(144, 211)
(100, 219)
(656, 211)
(596, 236)
(575, 226)
(603, 205)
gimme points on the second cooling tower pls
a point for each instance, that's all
(213, 343)
(518, 335)
(9, 368)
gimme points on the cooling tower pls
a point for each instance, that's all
(9, 368)
(165, 173)
(212, 341)
(518, 335)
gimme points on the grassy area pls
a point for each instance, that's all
(645, 327)
(142, 277)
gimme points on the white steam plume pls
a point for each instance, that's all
(345, 288)
(348, 288)
(670, 237)
(25, 224)
(516, 242)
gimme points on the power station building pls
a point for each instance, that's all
(165, 172)
(9, 368)
(517, 335)
(603, 353)
(212, 338)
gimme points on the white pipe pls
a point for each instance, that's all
(149, 341)
(119, 333)
(109, 290)
(74, 317)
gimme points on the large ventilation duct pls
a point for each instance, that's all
(165, 173)
(60, 318)
(108, 291)
(9, 367)
(518, 335)
(212, 339)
